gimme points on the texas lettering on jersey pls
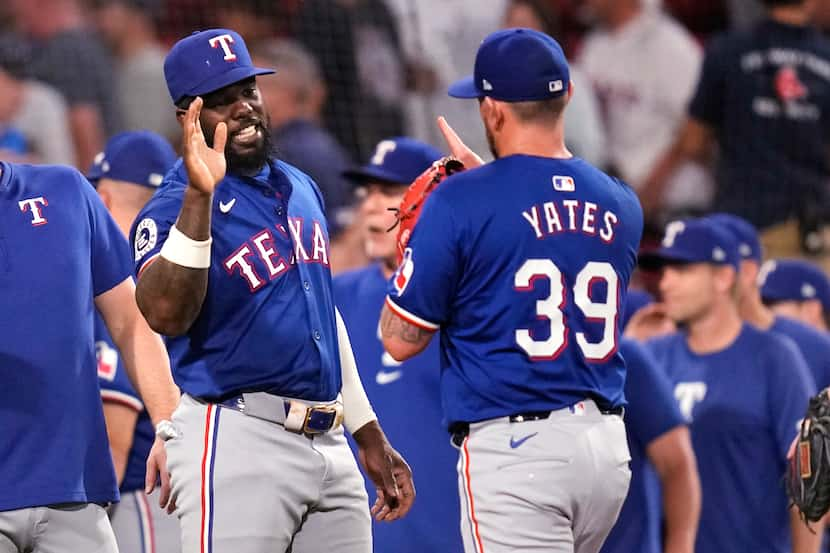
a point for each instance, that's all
(262, 246)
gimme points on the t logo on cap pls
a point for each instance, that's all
(225, 42)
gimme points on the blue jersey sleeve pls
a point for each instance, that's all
(707, 104)
(423, 287)
(112, 378)
(110, 253)
(652, 410)
(789, 389)
(151, 227)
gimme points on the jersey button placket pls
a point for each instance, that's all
(317, 335)
(306, 285)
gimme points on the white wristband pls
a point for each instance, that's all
(184, 251)
(166, 430)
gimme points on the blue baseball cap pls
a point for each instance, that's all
(206, 61)
(516, 65)
(794, 280)
(749, 244)
(138, 157)
(398, 160)
(693, 241)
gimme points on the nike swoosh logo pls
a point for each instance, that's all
(516, 443)
(226, 207)
(387, 377)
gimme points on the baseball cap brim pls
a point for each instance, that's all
(225, 79)
(363, 175)
(661, 257)
(464, 88)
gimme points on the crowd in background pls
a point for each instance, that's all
(353, 72)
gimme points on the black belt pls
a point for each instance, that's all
(461, 430)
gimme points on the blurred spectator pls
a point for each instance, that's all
(763, 97)
(701, 17)
(582, 120)
(443, 49)
(31, 109)
(256, 20)
(745, 13)
(68, 56)
(643, 102)
(294, 98)
(356, 44)
(129, 29)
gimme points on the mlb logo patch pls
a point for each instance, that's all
(404, 272)
(563, 184)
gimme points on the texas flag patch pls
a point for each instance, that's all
(404, 272)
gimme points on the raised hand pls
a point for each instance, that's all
(206, 166)
(458, 149)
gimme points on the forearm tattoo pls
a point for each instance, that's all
(393, 326)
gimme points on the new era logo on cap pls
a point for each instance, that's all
(808, 291)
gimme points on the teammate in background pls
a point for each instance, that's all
(523, 264)
(62, 257)
(126, 174)
(797, 289)
(814, 346)
(662, 465)
(741, 390)
(394, 388)
(232, 261)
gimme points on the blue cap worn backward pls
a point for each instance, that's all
(693, 241)
(396, 161)
(138, 157)
(794, 280)
(749, 244)
(206, 61)
(516, 65)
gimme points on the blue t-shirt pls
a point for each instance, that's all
(813, 345)
(59, 249)
(116, 388)
(407, 399)
(523, 263)
(651, 412)
(766, 93)
(742, 405)
(267, 321)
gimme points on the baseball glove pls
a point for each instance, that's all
(808, 472)
(418, 192)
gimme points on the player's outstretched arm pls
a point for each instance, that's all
(148, 367)
(400, 338)
(172, 288)
(674, 460)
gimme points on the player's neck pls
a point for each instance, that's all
(790, 15)
(534, 142)
(753, 311)
(716, 330)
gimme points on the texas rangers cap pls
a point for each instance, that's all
(693, 241)
(206, 61)
(516, 65)
(794, 280)
(749, 245)
(138, 157)
(398, 160)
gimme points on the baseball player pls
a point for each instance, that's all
(663, 465)
(796, 289)
(393, 387)
(741, 390)
(126, 174)
(61, 258)
(523, 265)
(814, 346)
(232, 261)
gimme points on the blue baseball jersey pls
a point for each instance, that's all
(813, 345)
(651, 412)
(116, 388)
(59, 249)
(743, 405)
(267, 322)
(523, 264)
(407, 399)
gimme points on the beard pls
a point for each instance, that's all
(248, 163)
(491, 142)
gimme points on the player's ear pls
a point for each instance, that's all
(493, 113)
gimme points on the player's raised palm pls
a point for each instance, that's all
(205, 165)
